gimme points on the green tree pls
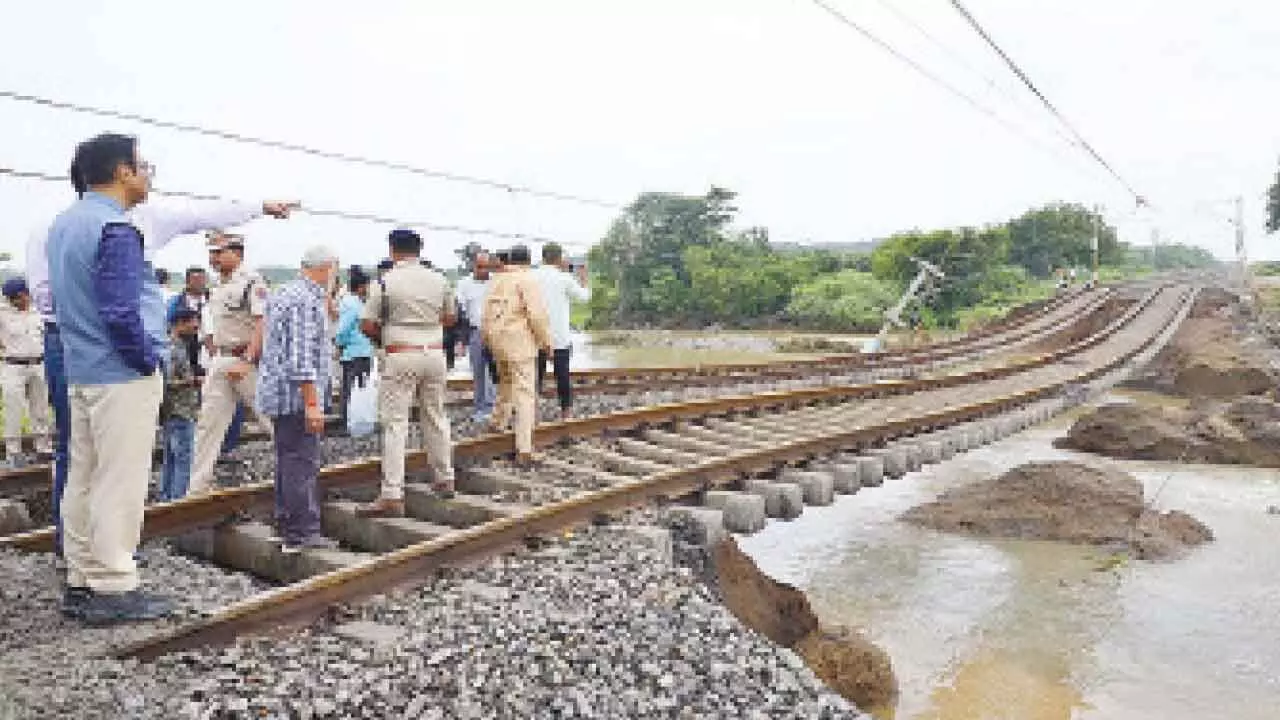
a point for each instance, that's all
(848, 300)
(643, 252)
(1060, 235)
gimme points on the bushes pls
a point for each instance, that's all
(848, 300)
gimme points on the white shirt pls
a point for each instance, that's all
(559, 291)
(158, 224)
(470, 297)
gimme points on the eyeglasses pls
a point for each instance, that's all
(145, 168)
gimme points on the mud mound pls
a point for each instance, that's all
(1206, 357)
(1244, 432)
(1061, 501)
(852, 666)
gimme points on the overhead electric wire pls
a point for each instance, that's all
(315, 212)
(962, 61)
(932, 77)
(306, 150)
(973, 22)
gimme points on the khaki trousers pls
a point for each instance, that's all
(517, 396)
(112, 438)
(402, 378)
(218, 399)
(25, 394)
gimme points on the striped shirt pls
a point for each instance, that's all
(294, 348)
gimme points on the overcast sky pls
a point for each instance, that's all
(825, 137)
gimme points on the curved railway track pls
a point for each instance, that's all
(601, 465)
(1025, 325)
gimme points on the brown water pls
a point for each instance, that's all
(1023, 630)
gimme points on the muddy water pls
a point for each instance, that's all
(1031, 630)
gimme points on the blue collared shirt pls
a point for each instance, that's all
(354, 344)
(109, 309)
(294, 348)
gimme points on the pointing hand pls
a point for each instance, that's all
(280, 209)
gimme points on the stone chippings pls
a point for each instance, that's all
(592, 626)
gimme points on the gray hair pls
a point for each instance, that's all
(319, 256)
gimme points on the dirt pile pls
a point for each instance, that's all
(1243, 432)
(1207, 357)
(849, 663)
(1062, 501)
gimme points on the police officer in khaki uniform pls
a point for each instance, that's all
(405, 313)
(236, 307)
(516, 327)
(22, 376)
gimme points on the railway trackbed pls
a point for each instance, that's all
(743, 456)
(1028, 325)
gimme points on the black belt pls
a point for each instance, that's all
(24, 361)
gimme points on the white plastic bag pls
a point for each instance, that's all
(362, 409)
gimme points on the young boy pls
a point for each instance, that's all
(179, 409)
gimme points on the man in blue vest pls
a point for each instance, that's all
(107, 301)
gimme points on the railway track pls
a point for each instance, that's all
(737, 454)
(1028, 324)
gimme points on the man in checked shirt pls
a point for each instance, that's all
(293, 377)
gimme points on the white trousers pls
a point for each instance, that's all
(109, 469)
(25, 395)
(218, 398)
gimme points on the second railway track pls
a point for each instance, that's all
(1028, 325)
(620, 461)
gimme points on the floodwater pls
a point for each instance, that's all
(675, 349)
(1021, 630)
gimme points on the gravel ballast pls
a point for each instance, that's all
(598, 625)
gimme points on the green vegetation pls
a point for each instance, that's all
(676, 261)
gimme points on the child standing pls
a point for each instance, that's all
(179, 409)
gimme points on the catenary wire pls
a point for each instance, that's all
(934, 77)
(306, 150)
(973, 22)
(959, 58)
(315, 212)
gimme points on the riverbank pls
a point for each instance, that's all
(1033, 630)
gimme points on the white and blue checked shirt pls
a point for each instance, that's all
(295, 348)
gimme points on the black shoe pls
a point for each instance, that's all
(132, 606)
(315, 542)
(73, 601)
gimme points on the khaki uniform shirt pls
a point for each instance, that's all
(21, 333)
(416, 297)
(515, 317)
(234, 314)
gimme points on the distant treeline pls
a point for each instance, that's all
(676, 261)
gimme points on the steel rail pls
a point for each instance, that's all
(306, 600)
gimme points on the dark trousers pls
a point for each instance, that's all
(354, 372)
(560, 364)
(55, 375)
(449, 339)
(297, 467)
(232, 438)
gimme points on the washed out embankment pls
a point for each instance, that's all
(849, 663)
(1066, 502)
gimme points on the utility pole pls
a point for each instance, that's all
(1097, 222)
(1241, 257)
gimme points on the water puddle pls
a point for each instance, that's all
(1025, 630)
